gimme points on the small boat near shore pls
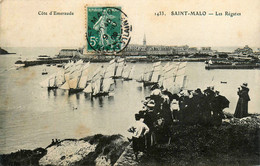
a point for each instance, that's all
(44, 72)
(59, 65)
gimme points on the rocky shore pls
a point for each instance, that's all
(235, 142)
(93, 150)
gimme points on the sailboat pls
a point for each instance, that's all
(128, 73)
(151, 77)
(50, 82)
(160, 82)
(174, 77)
(120, 64)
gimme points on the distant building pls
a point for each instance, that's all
(44, 57)
(245, 50)
(159, 50)
(69, 53)
(192, 50)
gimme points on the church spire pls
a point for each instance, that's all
(144, 41)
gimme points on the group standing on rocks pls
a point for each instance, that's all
(162, 109)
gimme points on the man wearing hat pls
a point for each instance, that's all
(242, 104)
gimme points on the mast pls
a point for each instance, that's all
(55, 83)
(156, 72)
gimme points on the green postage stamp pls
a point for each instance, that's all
(108, 29)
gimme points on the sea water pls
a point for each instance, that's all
(31, 116)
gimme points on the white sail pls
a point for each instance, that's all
(45, 83)
(131, 74)
(73, 83)
(93, 82)
(74, 76)
(169, 76)
(140, 78)
(107, 82)
(84, 76)
(110, 70)
(120, 67)
(156, 72)
(52, 82)
(169, 71)
(68, 65)
(182, 65)
(60, 78)
(78, 63)
(180, 76)
(147, 75)
(126, 71)
(162, 77)
(97, 86)
(65, 86)
(88, 88)
(112, 67)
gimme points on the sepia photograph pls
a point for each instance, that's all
(141, 82)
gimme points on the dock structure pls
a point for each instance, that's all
(249, 66)
(28, 63)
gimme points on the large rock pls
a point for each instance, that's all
(67, 153)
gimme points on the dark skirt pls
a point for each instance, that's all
(138, 144)
(241, 109)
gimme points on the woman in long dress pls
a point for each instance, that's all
(242, 104)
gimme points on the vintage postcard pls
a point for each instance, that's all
(141, 82)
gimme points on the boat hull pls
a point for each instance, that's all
(100, 94)
(51, 88)
(127, 79)
(72, 91)
(116, 77)
(149, 83)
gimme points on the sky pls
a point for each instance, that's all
(22, 26)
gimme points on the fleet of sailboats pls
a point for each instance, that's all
(98, 80)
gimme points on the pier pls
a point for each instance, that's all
(249, 66)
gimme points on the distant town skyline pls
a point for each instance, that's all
(24, 27)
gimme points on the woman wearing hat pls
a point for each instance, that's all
(242, 104)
